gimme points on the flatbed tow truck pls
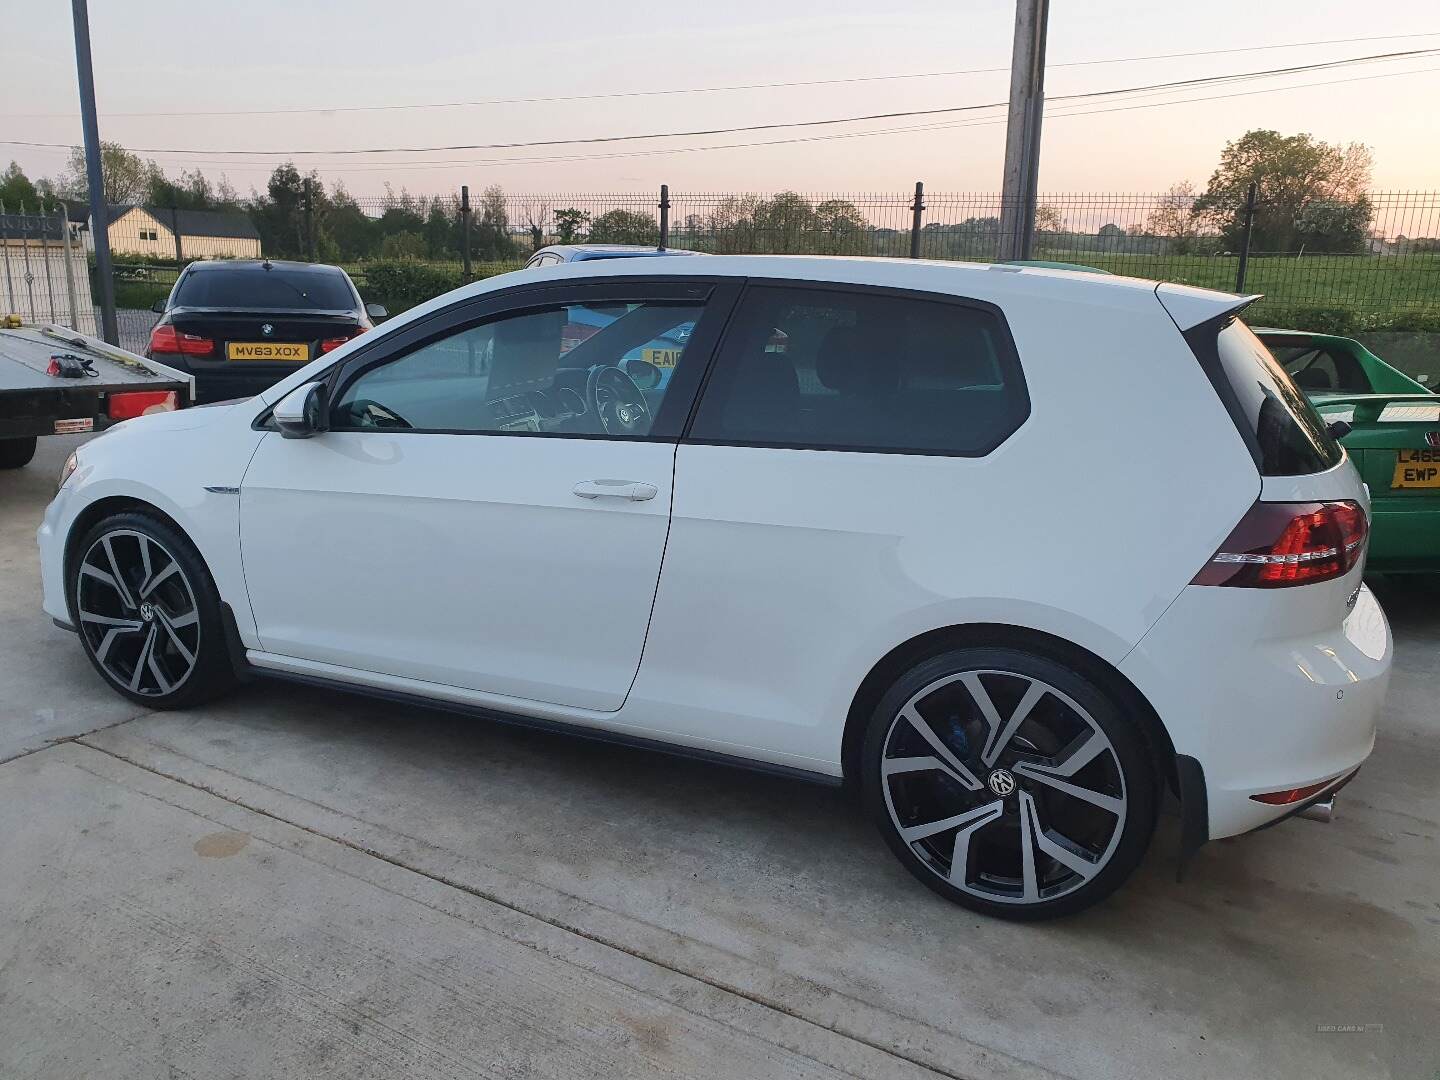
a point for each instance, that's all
(58, 381)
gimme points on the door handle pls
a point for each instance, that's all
(615, 489)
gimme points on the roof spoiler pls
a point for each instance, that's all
(1190, 307)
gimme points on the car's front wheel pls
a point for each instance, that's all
(148, 613)
(1009, 782)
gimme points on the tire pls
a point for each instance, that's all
(158, 637)
(16, 453)
(929, 746)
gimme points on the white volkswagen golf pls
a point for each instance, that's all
(1010, 550)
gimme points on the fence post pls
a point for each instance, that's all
(916, 208)
(1245, 238)
(175, 230)
(664, 216)
(12, 301)
(69, 269)
(309, 220)
(465, 218)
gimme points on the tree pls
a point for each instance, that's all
(16, 190)
(1332, 225)
(843, 229)
(127, 176)
(570, 224)
(785, 224)
(1048, 219)
(281, 220)
(731, 225)
(350, 229)
(1175, 219)
(492, 233)
(441, 236)
(403, 245)
(1290, 173)
(191, 192)
(537, 218)
(624, 227)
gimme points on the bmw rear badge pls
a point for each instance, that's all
(1002, 782)
(267, 329)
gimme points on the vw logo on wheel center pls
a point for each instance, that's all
(1002, 782)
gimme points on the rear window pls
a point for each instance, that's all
(1289, 437)
(833, 369)
(258, 288)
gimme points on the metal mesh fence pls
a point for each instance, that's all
(1361, 262)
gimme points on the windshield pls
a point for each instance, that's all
(254, 287)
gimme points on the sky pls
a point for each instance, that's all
(166, 56)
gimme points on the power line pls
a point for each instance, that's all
(895, 115)
(317, 109)
(942, 126)
(1076, 110)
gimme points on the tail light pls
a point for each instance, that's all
(166, 339)
(1280, 544)
(336, 342)
(134, 403)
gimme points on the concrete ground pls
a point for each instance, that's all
(302, 883)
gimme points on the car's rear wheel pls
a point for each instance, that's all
(1009, 782)
(148, 613)
(15, 453)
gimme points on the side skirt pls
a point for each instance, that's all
(556, 727)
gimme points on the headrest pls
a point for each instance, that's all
(852, 361)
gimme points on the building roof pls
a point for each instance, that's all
(230, 224)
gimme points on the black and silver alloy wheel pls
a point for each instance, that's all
(1015, 787)
(147, 611)
(138, 613)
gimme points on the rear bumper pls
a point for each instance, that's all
(214, 381)
(1405, 535)
(1261, 713)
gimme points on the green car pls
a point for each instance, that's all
(1394, 440)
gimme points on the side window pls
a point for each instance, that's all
(576, 369)
(827, 369)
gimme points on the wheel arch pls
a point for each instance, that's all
(905, 655)
(97, 511)
(110, 506)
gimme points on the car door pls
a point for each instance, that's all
(490, 506)
(841, 430)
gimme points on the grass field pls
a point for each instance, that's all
(1365, 284)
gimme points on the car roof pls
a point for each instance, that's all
(583, 252)
(978, 281)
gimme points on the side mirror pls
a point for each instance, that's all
(1338, 429)
(376, 311)
(303, 412)
(644, 374)
(158, 307)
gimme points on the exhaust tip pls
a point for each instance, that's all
(1324, 810)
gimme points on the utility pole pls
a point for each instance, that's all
(94, 173)
(1022, 132)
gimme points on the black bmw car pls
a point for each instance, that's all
(241, 326)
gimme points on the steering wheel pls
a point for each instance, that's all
(617, 401)
(363, 412)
